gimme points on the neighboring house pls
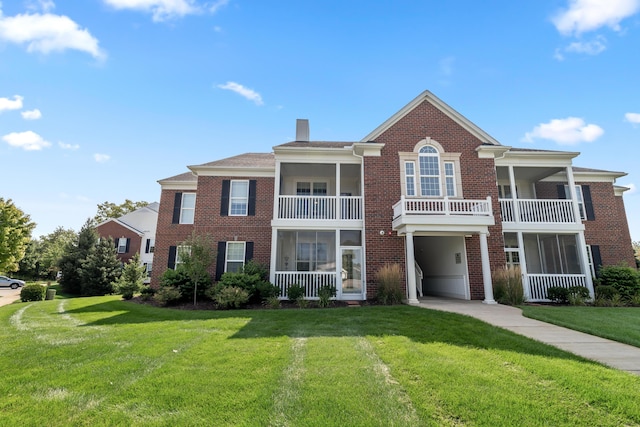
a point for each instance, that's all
(427, 189)
(133, 233)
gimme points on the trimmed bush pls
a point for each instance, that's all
(231, 297)
(558, 294)
(507, 286)
(625, 280)
(389, 278)
(605, 291)
(295, 292)
(167, 296)
(33, 293)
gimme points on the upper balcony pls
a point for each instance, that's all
(537, 211)
(415, 214)
(319, 194)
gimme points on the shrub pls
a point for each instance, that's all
(266, 290)
(231, 297)
(625, 280)
(33, 293)
(295, 292)
(558, 294)
(255, 268)
(132, 278)
(605, 291)
(617, 301)
(272, 302)
(147, 293)
(635, 300)
(325, 293)
(302, 303)
(578, 295)
(389, 278)
(507, 286)
(167, 296)
(241, 280)
(180, 280)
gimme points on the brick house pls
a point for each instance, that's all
(426, 189)
(133, 233)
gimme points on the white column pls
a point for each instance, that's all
(486, 270)
(411, 270)
(523, 266)
(574, 196)
(514, 194)
(581, 242)
(338, 213)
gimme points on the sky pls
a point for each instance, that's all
(100, 99)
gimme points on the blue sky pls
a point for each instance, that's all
(101, 98)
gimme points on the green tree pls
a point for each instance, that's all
(75, 253)
(100, 269)
(196, 260)
(52, 249)
(108, 210)
(30, 264)
(15, 233)
(132, 278)
(636, 252)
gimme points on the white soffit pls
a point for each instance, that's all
(442, 106)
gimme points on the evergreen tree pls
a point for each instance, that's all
(100, 269)
(76, 252)
(15, 233)
(132, 278)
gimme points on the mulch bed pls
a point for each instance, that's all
(210, 305)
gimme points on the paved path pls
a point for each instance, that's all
(610, 353)
(7, 295)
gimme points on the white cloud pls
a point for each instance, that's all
(31, 114)
(569, 131)
(213, 8)
(7, 104)
(588, 15)
(68, 146)
(594, 47)
(41, 5)
(101, 158)
(47, 33)
(161, 10)
(29, 141)
(632, 118)
(247, 93)
(631, 188)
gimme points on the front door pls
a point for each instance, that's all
(351, 273)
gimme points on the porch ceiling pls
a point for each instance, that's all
(530, 174)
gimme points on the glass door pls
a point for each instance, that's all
(351, 272)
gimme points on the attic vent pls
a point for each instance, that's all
(302, 130)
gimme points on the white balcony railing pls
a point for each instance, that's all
(320, 207)
(311, 281)
(539, 283)
(538, 211)
(443, 206)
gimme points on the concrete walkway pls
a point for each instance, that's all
(610, 353)
(8, 296)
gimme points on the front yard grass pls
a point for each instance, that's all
(105, 362)
(620, 324)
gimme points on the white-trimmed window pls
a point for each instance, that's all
(429, 161)
(122, 245)
(181, 252)
(592, 267)
(148, 266)
(235, 255)
(580, 197)
(450, 179)
(187, 208)
(239, 198)
(410, 178)
(305, 188)
(151, 246)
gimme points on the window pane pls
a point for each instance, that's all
(235, 251)
(408, 168)
(350, 238)
(319, 188)
(448, 169)
(238, 207)
(428, 149)
(430, 186)
(239, 189)
(187, 216)
(411, 188)
(303, 188)
(234, 267)
(451, 186)
(429, 165)
(188, 201)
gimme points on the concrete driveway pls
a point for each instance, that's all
(8, 295)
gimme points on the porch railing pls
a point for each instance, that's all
(320, 207)
(539, 283)
(444, 206)
(311, 281)
(538, 211)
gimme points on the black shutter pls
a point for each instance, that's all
(172, 258)
(146, 249)
(222, 255)
(116, 241)
(126, 250)
(252, 198)
(177, 206)
(248, 251)
(562, 194)
(596, 258)
(588, 204)
(224, 201)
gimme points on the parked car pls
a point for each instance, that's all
(7, 282)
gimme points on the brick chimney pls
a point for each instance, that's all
(302, 130)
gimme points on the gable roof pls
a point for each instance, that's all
(427, 96)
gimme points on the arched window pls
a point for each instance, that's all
(429, 161)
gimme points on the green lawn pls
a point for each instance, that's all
(620, 324)
(101, 361)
